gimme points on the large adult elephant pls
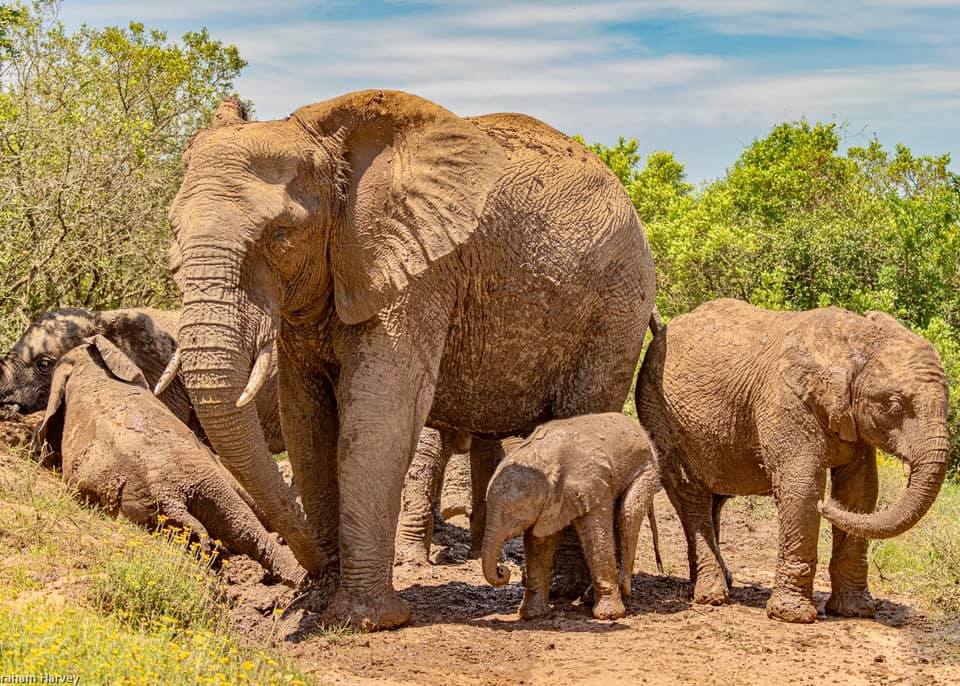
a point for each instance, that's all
(406, 266)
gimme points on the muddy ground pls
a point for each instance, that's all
(466, 632)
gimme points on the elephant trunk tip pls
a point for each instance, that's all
(502, 576)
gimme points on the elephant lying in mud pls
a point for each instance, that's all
(739, 400)
(125, 452)
(597, 472)
(146, 336)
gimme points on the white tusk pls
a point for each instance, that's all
(258, 376)
(169, 374)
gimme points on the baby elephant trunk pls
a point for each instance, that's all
(495, 573)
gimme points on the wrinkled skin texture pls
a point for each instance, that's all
(146, 336)
(125, 452)
(407, 267)
(596, 472)
(740, 400)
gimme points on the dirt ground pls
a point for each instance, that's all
(466, 632)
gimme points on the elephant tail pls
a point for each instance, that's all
(652, 517)
(656, 322)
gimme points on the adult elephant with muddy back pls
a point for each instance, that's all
(406, 266)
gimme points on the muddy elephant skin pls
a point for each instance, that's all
(406, 267)
(125, 452)
(740, 400)
(147, 336)
(597, 472)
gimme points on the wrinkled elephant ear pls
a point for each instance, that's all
(566, 500)
(418, 180)
(824, 385)
(119, 364)
(50, 432)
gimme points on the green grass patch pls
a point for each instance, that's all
(924, 561)
(40, 637)
(166, 581)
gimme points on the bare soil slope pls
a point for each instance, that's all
(466, 632)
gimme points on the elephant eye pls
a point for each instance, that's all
(895, 405)
(43, 363)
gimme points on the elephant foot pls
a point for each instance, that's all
(852, 604)
(609, 607)
(412, 554)
(711, 590)
(534, 607)
(791, 607)
(367, 613)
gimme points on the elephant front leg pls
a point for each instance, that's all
(595, 530)
(309, 419)
(797, 493)
(855, 487)
(421, 490)
(384, 397)
(538, 556)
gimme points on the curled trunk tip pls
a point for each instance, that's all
(912, 503)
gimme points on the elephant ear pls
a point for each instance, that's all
(573, 490)
(119, 364)
(824, 385)
(50, 432)
(418, 182)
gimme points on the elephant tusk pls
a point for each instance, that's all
(258, 376)
(169, 374)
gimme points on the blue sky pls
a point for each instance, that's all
(701, 78)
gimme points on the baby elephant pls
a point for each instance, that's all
(597, 472)
(124, 451)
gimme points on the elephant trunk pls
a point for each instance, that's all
(928, 467)
(495, 573)
(217, 356)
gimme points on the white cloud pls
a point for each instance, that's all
(568, 64)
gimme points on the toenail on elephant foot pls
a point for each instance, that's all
(791, 607)
(852, 604)
(363, 611)
(609, 607)
(714, 592)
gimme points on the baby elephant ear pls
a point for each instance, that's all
(823, 386)
(119, 364)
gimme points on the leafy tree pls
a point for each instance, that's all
(92, 124)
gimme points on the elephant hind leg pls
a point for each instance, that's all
(694, 505)
(421, 491)
(854, 486)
